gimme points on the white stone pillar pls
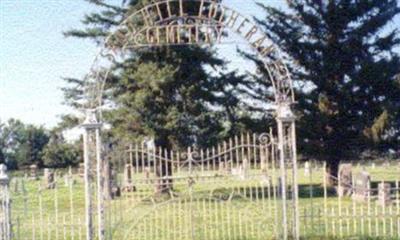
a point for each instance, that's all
(6, 231)
(286, 122)
(90, 126)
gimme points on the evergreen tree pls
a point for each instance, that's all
(180, 96)
(344, 64)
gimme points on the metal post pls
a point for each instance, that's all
(88, 194)
(6, 206)
(283, 178)
(91, 124)
(100, 184)
(296, 220)
(285, 118)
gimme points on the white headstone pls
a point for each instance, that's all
(345, 180)
(384, 197)
(307, 169)
(362, 186)
(128, 178)
(49, 178)
(3, 172)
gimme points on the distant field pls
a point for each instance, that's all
(222, 207)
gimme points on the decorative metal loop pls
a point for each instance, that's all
(265, 139)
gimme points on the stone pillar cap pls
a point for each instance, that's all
(91, 121)
(285, 113)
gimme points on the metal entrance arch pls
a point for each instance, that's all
(187, 22)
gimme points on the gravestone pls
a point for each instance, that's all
(128, 178)
(81, 170)
(115, 188)
(362, 183)
(280, 187)
(33, 172)
(66, 181)
(49, 178)
(228, 166)
(384, 197)
(386, 164)
(239, 172)
(69, 179)
(235, 171)
(147, 174)
(265, 180)
(222, 169)
(16, 186)
(345, 180)
(245, 168)
(307, 169)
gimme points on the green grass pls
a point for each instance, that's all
(212, 208)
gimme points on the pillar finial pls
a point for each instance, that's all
(285, 113)
(91, 121)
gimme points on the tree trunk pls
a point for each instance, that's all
(332, 170)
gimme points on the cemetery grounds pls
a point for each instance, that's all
(240, 213)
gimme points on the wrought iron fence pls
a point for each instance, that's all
(367, 206)
(231, 191)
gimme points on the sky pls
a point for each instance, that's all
(35, 56)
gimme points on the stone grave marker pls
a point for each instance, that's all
(384, 197)
(362, 186)
(386, 164)
(147, 174)
(307, 169)
(81, 170)
(66, 181)
(33, 172)
(239, 172)
(265, 180)
(49, 178)
(128, 178)
(245, 169)
(345, 180)
(115, 188)
(16, 185)
(223, 169)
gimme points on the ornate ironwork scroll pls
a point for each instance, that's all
(188, 22)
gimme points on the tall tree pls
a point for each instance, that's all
(179, 95)
(60, 154)
(22, 144)
(344, 63)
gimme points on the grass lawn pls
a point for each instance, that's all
(223, 207)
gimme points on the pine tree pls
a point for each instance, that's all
(344, 63)
(180, 96)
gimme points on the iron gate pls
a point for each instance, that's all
(230, 191)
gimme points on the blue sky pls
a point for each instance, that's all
(34, 55)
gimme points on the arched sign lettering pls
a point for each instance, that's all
(196, 22)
